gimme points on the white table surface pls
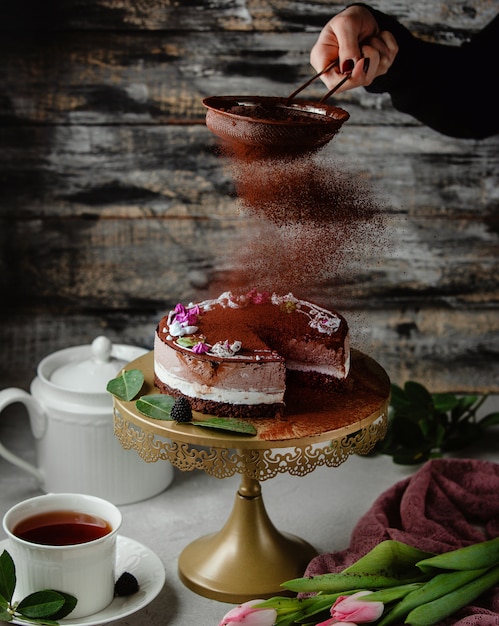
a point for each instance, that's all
(322, 508)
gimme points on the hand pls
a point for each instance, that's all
(354, 38)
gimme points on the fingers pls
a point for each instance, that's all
(342, 37)
(387, 49)
(379, 54)
(376, 58)
(353, 37)
(325, 50)
(351, 28)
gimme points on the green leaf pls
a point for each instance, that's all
(423, 425)
(127, 385)
(41, 604)
(492, 419)
(467, 402)
(157, 406)
(445, 402)
(5, 616)
(408, 433)
(69, 604)
(439, 436)
(437, 610)
(337, 583)
(461, 436)
(295, 605)
(392, 558)
(42, 607)
(227, 423)
(7, 577)
(398, 398)
(436, 587)
(483, 554)
(321, 603)
(187, 342)
(388, 564)
(418, 394)
(296, 610)
(290, 619)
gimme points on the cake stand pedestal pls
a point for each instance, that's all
(249, 558)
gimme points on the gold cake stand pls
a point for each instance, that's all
(249, 558)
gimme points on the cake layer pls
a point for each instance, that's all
(219, 380)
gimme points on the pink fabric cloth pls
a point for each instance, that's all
(447, 504)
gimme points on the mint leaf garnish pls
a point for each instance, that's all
(41, 607)
(5, 616)
(41, 604)
(127, 385)
(69, 604)
(187, 342)
(227, 423)
(7, 578)
(157, 406)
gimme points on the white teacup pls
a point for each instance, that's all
(84, 570)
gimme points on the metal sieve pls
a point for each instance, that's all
(273, 124)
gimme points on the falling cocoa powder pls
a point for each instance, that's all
(311, 224)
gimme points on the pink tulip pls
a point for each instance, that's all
(333, 622)
(247, 615)
(354, 609)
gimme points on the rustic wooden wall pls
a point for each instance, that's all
(114, 204)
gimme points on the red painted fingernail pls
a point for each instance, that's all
(347, 66)
(366, 64)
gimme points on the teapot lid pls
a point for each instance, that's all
(91, 374)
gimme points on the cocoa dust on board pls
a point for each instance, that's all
(312, 226)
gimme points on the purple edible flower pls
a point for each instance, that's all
(201, 348)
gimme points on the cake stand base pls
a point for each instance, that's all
(248, 558)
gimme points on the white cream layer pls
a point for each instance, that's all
(328, 370)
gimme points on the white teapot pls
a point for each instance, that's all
(71, 417)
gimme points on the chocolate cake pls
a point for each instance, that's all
(234, 355)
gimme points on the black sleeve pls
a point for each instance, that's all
(452, 89)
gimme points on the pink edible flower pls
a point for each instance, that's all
(257, 297)
(249, 616)
(192, 315)
(179, 309)
(353, 610)
(185, 316)
(201, 348)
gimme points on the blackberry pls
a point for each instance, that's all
(181, 410)
(126, 585)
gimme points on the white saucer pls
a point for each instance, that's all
(132, 557)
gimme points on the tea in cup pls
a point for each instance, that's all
(65, 542)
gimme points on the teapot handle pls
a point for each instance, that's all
(37, 417)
